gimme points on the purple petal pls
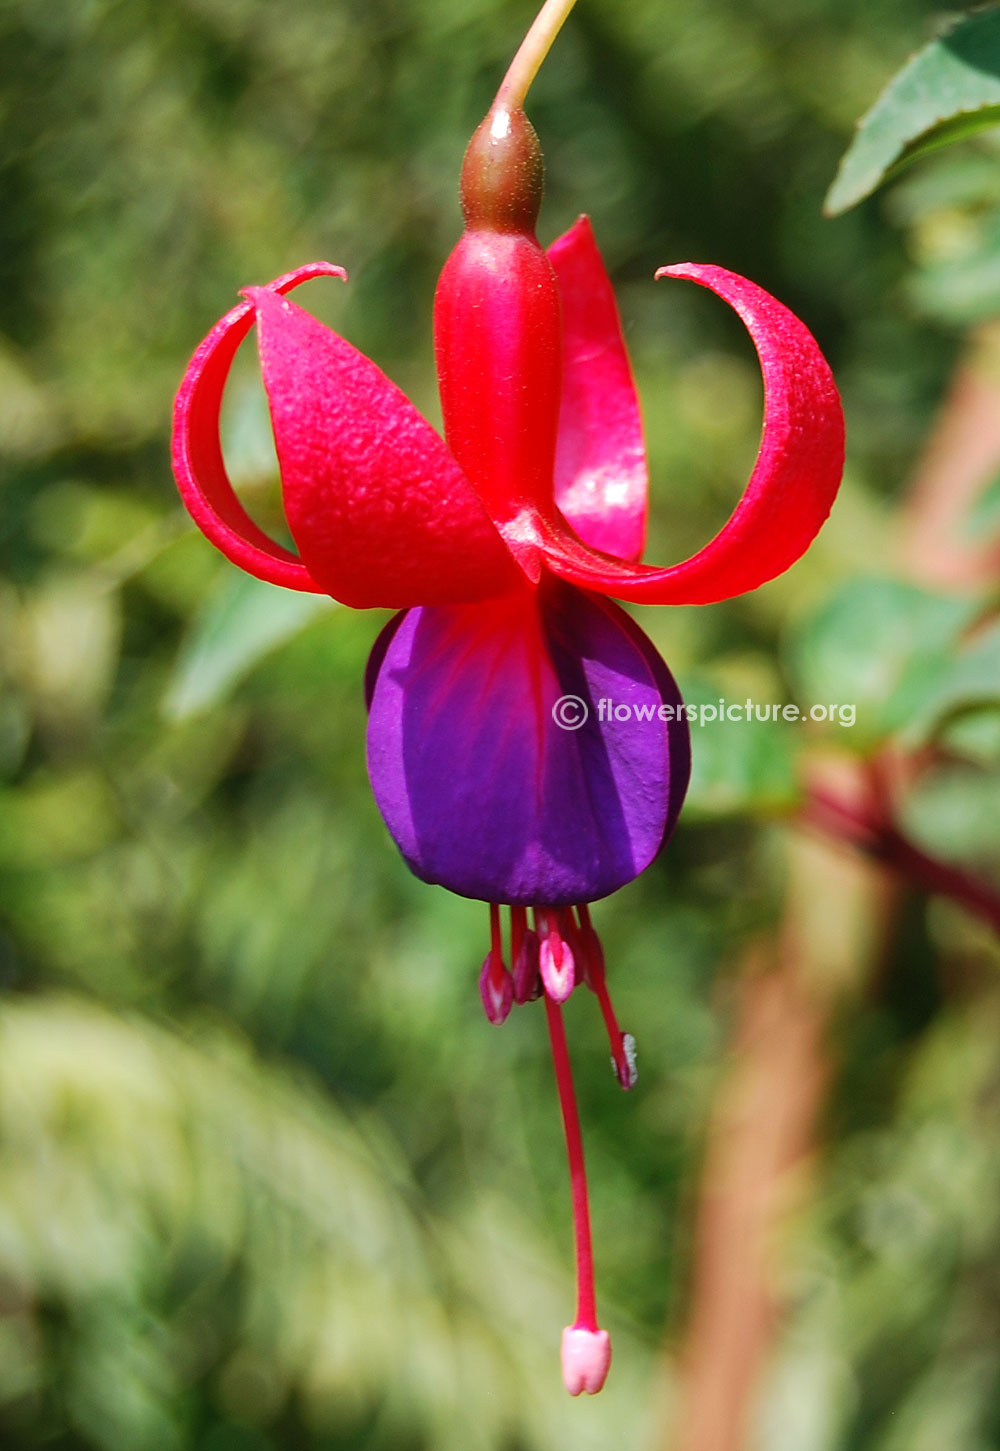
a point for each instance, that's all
(383, 640)
(482, 790)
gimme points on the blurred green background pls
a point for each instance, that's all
(268, 1179)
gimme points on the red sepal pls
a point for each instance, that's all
(790, 491)
(601, 476)
(380, 510)
(497, 343)
(197, 454)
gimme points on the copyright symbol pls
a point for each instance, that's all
(570, 712)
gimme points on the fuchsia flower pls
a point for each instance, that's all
(500, 546)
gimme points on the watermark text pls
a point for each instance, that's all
(570, 712)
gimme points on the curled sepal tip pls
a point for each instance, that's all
(586, 1357)
(790, 491)
(380, 511)
(199, 469)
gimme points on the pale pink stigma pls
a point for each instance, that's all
(586, 1356)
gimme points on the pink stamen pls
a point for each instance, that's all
(622, 1044)
(586, 1309)
(496, 986)
(556, 962)
(524, 957)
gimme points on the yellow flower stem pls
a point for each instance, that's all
(533, 49)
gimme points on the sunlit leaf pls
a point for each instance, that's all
(948, 91)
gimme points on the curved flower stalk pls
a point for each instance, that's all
(500, 545)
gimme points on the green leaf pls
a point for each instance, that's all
(948, 91)
(232, 633)
(738, 766)
(952, 813)
(969, 680)
(973, 736)
(883, 646)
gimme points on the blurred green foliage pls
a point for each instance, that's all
(267, 1178)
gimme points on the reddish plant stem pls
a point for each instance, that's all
(838, 923)
(880, 839)
(760, 1136)
(838, 919)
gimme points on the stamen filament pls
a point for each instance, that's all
(586, 1308)
(524, 953)
(532, 51)
(598, 982)
(496, 946)
(518, 927)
